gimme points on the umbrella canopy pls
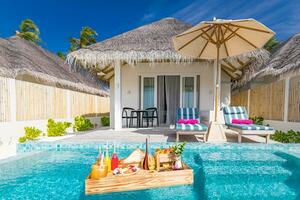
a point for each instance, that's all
(230, 37)
(219, 39)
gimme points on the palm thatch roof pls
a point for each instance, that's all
(20, 59)
(148, 43)
(151, 42)
(283, 60)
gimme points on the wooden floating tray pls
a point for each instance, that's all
(143, 179)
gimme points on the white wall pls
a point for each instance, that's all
(130, 86)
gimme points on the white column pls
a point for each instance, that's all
(13, 100)
(117, 97)
(286, 99)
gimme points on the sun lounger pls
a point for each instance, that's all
(190, 129)
(239, 112)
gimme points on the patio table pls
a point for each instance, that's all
(138, 113)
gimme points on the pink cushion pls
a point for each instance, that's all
(181, 121)
(187, 121)
(242, 121)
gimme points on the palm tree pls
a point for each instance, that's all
(61, 55)
(87, 37)
(271, 44)
(29, 31)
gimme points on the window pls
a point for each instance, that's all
(148, 92)
(188, 91)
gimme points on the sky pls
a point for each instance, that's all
(59, 20)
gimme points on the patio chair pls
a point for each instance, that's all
(239, 112)
(190, 129)
(150, 115)
(127, 114)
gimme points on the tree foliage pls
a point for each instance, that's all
(61, 55)
(29, 31)
(87, 37)
(271, 44)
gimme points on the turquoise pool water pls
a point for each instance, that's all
(221, 172)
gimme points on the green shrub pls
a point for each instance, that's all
(286, 137)
(105, 121)
(57, 128)
(31, 133)
(22, 139)
(82, 124)
(257, 120)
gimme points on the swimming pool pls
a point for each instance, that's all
(57, 171)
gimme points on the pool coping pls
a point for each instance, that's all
(64, 145)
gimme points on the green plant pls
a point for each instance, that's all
(286, 137)
(86, 38)
(271, 44)
(29, 31)
(31, 133)
(105, 121)
(178, 148)
(82, 124)
(257, 120)
(57, 128)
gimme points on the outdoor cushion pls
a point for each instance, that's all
(242, 121)
(191, 127)
(188, 121)
(239, 112)
(253, 127)
(187, 113)
(234, 112)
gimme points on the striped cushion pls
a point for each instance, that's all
(191, 127)
(234, 112)
(187, 113)
(250, 127)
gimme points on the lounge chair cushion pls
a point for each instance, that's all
(234, 112)
(250, 127)
(191, 127)
(187, 113)
(239, 112)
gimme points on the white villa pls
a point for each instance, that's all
(144, 70)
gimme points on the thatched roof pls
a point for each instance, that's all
(284, 59)
(21, 59)
(148, 43)
(151, 42)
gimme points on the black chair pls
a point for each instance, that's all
(127, 114)
(150, 115)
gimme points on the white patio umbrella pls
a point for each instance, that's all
(219, 39)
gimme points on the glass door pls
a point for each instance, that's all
(188, 91)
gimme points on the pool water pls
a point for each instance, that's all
(218, 174)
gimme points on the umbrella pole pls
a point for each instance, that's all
(215, 130)
(217, 84)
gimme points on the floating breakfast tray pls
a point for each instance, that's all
(143, 179)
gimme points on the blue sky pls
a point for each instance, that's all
(60, 19)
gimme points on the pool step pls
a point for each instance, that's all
(247, 170)
(245, 174)
(272, 191)
(245, 157)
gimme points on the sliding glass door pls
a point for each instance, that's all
(149, 92)
(188, 91)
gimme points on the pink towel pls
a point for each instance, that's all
(187, 121)
(242, 121)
